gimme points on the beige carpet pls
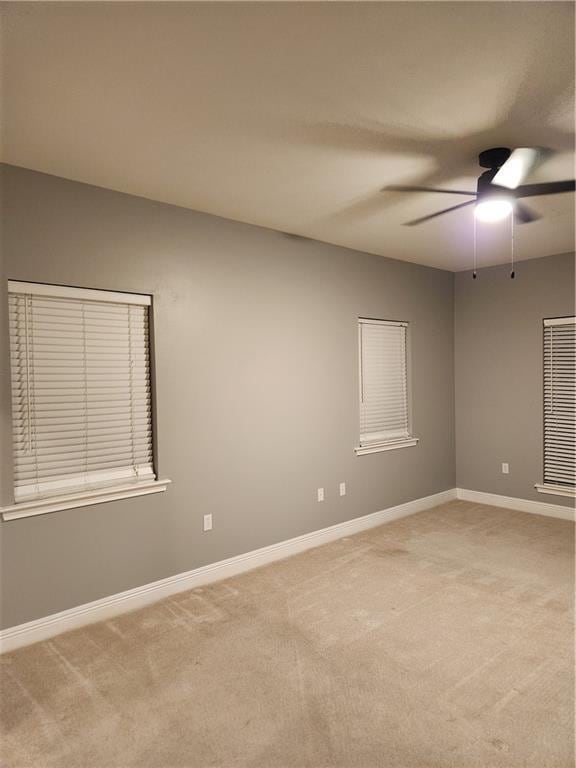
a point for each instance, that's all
(443, 639)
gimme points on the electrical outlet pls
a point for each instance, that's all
(207, 522)
(320, 494)
(505, 468)
(342, 489)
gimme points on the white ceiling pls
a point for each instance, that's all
(295, 115)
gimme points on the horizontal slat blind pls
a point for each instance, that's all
(560, 402)
(383, 381)
(80, 392)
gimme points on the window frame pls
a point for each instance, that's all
(546, 487)
(52, 502)
(392, 443)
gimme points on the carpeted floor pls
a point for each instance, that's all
(443, 639)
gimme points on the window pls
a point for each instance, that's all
(81, 396)
(559, 407)
(384, 386)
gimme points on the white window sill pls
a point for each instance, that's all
(556, 490)
(391, 445)
(83, 499)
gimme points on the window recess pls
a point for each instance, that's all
(81, 396)
(385, 419)
(559, 407)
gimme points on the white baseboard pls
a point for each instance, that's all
(108, 607)
(522, 505)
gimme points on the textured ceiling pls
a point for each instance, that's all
(295, 115)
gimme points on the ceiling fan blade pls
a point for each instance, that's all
(517, 167)
(401, 188)
(547, 188)
(525, 215)
(438, 213)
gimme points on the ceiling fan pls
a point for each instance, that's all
(499, 187)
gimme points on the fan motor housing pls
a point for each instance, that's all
(494, 158)
(485, 188)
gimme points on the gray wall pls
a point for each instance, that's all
(498, 363)
(257, 387)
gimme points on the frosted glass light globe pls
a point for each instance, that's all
(493, 210)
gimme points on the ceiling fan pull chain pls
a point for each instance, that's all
(512, 273)
(474, 237)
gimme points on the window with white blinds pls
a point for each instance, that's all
(560, 402)
(81, 395)
(384, 398)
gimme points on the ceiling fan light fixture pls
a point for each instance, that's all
(494, 209)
